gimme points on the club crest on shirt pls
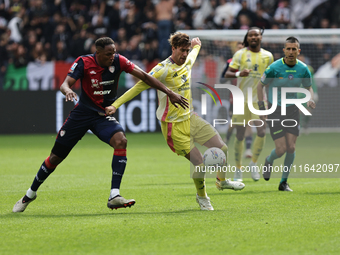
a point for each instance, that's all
(95, 83)
(290, 77)
(111, 69)
(62, 133)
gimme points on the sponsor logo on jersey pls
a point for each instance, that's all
(93, 72)
(175, 75)
(73, 67)
(255, 67)
(95, 83)
(105, 83)
(104, 92)
(111, 69)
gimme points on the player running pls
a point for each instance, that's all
(182, 127)
(284, 72)
(99, 74)
(247, 66)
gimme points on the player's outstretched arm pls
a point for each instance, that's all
(195, 41)
(153, 82)
(233, 73)
(65, 88)
(260, 96)
(311, 102)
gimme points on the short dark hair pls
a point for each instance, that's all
(245, 42)
(102, 42)
(292, 39)
(179, 39)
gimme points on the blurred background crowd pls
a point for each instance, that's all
(53, 30)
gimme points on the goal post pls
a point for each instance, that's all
(321, 51)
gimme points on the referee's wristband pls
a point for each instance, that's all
(261, 105)
(237, 74)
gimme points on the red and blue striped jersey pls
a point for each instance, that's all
(98, 84)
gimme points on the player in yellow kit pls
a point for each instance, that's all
(247, 66)
(182, 127)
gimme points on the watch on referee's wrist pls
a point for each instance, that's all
(261, 105)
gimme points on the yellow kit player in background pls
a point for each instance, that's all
(182, 127)
(247, 66)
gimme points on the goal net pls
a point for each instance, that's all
(321, 51)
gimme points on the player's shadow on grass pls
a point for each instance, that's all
(108, 214)
(166, 184)
(322, 193)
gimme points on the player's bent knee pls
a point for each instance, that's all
(59, 152)
(118, 142)
(280, 152)
(54, 159)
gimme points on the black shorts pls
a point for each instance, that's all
(82, 119)
(279, 124)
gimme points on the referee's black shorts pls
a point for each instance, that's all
(279, 124)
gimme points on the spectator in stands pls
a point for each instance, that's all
(114, 20)
(16, 25)
(3, 57)
(262, 19)
(131, 22)
(20, 57)
(224, 15)
(165, 24)
(61, 52)
(100, 29)
(149, 26)
(282, 14)
(244, 11)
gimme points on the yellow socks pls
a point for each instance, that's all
(257, 147)
(200, 182)
(221, 175)
(238, 147)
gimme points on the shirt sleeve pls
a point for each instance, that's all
(125, 64)
(131, 93)
(139, 87)
(267, 76)
(76, 71)
(235, 63)
(193, 55)
(307, 80)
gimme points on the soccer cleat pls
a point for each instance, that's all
(266, 169)
(284, 186)
(228, 184)
(254, 171)
(238, 175)
(120, 202)
(21, 205)
(204, 203)
(248, 153)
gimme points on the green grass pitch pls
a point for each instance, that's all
(70, 214)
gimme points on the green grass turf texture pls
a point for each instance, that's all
(70, 214)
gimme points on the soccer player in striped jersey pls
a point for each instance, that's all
(182, 127)
(284, 72)
(99, 74)
(247, 66)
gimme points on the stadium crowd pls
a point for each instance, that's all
(52, 30)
